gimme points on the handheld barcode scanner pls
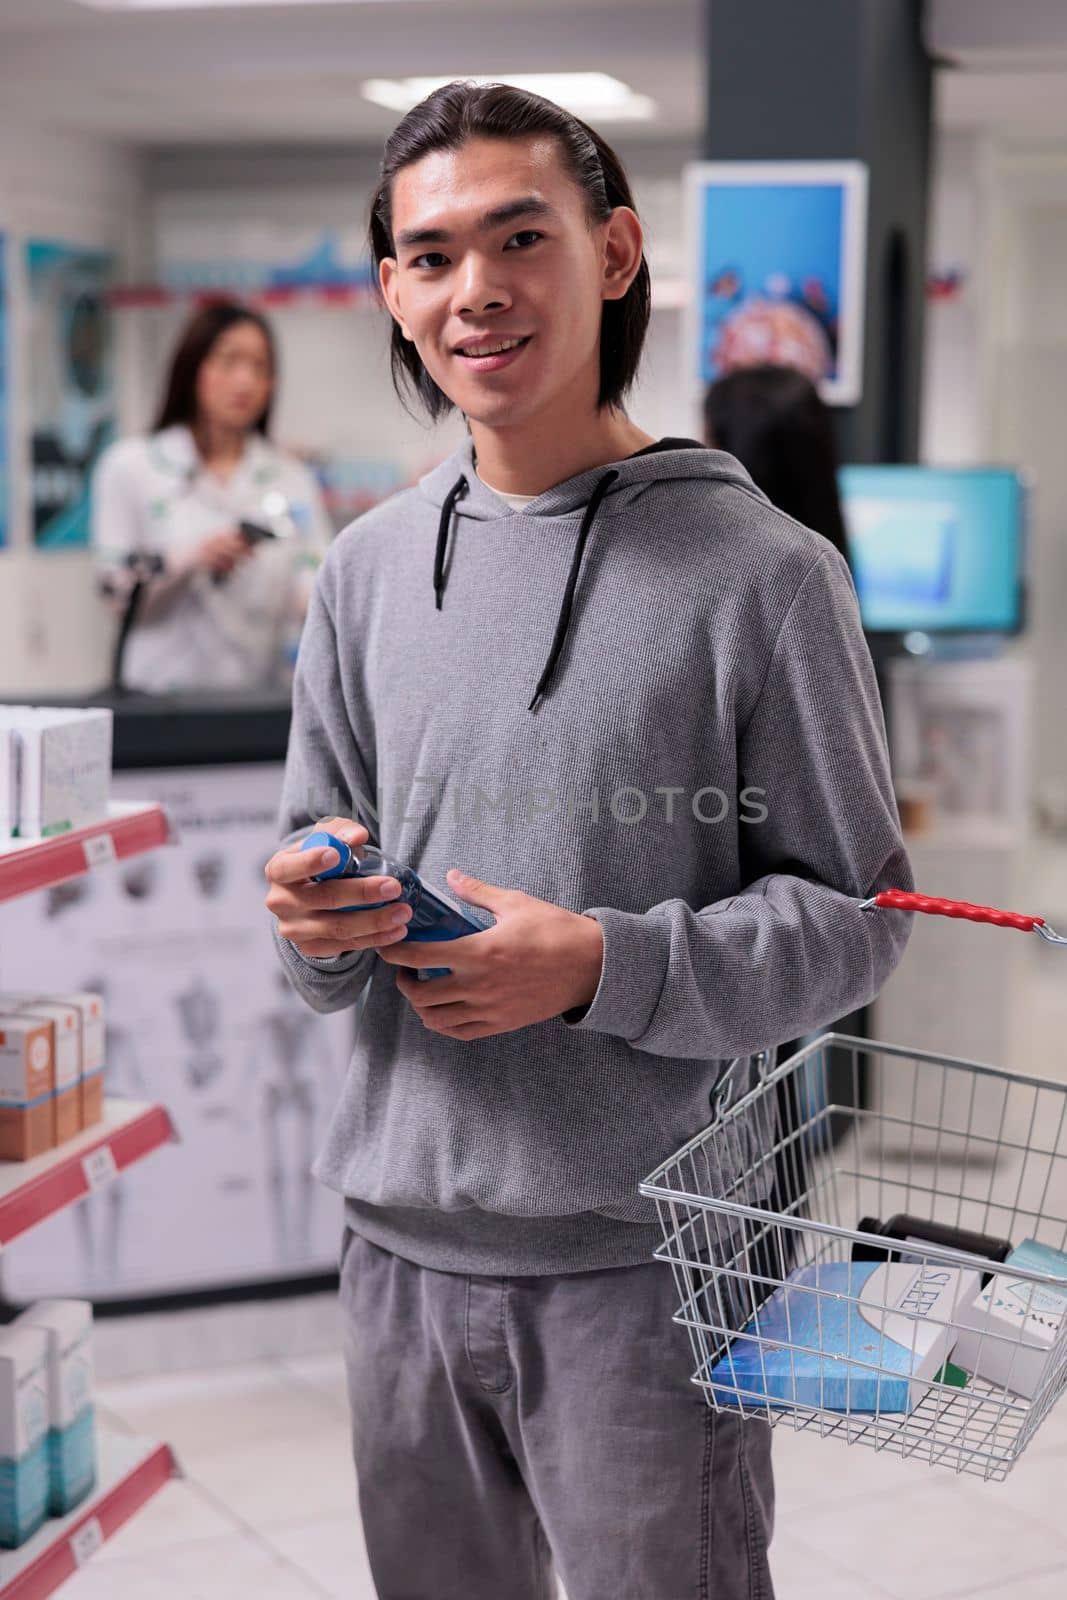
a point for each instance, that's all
(435, 915)
(274, 521)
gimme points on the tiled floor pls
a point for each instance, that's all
(267, 1506)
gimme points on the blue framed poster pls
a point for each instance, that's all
(5, 479)
(71, 384)
(775, 262)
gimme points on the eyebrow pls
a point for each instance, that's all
(529, 205)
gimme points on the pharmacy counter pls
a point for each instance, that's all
(197, 731)
(191, 730)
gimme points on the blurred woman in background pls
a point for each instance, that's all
(206, 534)
(773, 421)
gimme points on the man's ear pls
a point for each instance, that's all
(622, 247)
(387, 278)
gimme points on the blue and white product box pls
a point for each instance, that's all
(23, 1433)
(866, 1335)
(68, 1329)
(1010, 1327)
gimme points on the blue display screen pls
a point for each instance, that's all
(936, 549)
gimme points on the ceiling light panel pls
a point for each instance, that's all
(587, 94)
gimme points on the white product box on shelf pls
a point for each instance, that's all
(23, 1433)
(68, 1326)
(63, 762)
(23, 1390)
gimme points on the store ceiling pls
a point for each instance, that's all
(1008, 70)
(281, 74)
(291, 73)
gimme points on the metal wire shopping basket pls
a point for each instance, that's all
(798, 1311)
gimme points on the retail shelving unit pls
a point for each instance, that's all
(130, 1470)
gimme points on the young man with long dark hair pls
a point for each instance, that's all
(601, 671)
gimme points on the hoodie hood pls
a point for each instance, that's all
(456, 490)
(633, 477)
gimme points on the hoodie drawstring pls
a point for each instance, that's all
(563, 621)
(459, 487)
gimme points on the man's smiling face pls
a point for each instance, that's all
(494, 248)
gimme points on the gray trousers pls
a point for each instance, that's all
(506, 1426)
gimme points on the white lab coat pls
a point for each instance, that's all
(153, 495)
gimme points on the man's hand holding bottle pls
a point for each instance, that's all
(312, 915)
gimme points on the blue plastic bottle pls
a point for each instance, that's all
(435, 915)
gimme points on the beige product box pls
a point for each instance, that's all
(64, 767)
(92, 1028)
(66, 1055)
(94, 1039)
(91, 1008)
(27, 1087)
(92, 1099)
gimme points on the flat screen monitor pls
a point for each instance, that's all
(936, 549)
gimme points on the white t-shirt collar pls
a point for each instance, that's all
(515, 501)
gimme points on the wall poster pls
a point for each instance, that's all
(70, 375)
(775, 262)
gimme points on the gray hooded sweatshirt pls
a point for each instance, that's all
(646, 696)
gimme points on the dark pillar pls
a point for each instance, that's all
(823, 80)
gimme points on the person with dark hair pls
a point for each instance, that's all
(774, 421)
(777, 425)
(590, 666)
(207, 535)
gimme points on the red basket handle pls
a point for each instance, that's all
(899, 900)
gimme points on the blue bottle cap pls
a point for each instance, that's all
(328, 841)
